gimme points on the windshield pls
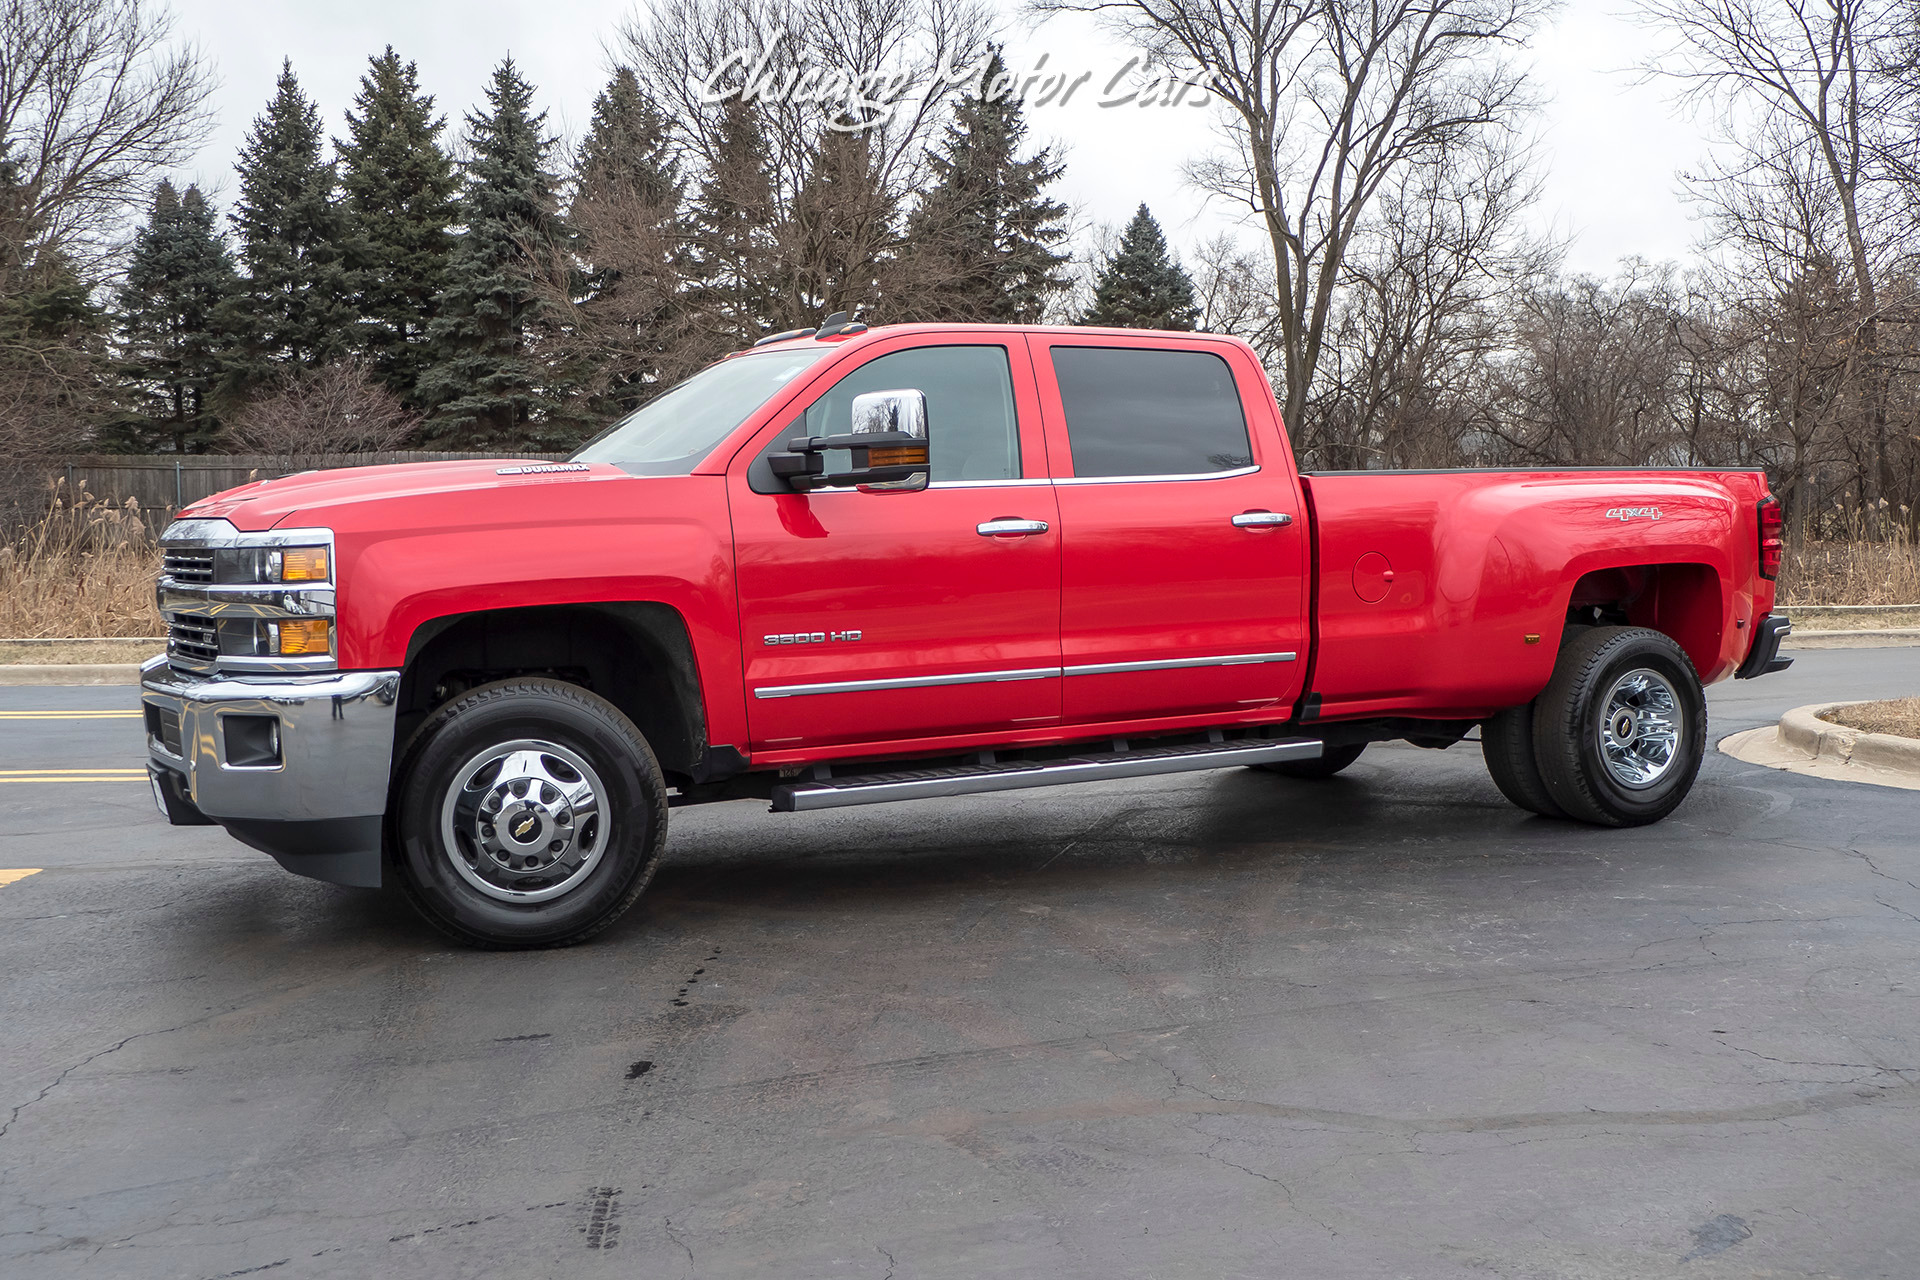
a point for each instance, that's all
(671, 434)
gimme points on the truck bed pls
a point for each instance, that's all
(1445, 593)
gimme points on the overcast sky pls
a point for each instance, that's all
(1611, 147)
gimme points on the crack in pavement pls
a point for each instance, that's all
(1875, 868)
(100, 1053)
(672, 1235)
(1285, 1189)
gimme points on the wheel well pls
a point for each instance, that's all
(636, 656)
(1682, 601)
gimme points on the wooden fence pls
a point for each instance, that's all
(163, 484)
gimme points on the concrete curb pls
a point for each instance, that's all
(1802, 729)
(69, 673)
(1887, 637)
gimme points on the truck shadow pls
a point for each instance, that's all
(1415, 823)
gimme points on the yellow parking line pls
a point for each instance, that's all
(69, 715)
(8, 877)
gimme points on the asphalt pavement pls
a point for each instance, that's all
(1212, 1025)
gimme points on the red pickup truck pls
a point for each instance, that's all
(855, 565)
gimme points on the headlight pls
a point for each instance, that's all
(247, 602)
(264, 566)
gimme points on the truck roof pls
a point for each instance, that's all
(865, 334)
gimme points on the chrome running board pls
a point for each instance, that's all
(973, 779)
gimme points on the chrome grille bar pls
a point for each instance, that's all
(185, 565)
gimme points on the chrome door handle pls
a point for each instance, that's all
(1261, 519)
(1009, 527)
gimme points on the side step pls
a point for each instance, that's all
(971, 779)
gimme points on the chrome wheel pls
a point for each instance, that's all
(522, 821)
(1640, 728)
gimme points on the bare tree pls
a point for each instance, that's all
(337, 408)
(1327, 101)
(1420, 316)
(1234, 288)
(93, 103)
(865, 67)
(1817, 121)
(1592, 380)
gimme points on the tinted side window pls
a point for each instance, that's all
(1133, 411)
(971, 423)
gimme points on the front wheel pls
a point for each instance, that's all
(531, 814)
(1621, 728)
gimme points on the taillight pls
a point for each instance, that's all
(1773, 524)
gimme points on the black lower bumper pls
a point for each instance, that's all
(1764, 658)
(337, 850)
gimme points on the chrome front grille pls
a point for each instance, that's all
(184, 564)
(194, 639)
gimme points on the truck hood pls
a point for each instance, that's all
(266, 503)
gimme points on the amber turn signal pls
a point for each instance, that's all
(907, 455)
(303, 564)
(302, 636)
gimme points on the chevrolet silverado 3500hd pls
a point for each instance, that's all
(853, 565)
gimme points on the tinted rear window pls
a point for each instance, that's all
(1133, 411)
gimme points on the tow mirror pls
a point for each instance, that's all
(888, 442)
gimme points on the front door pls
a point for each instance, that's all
(885, 617)
(1184, 558)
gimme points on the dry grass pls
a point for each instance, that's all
(1900, 717)
(85, 568)
(1812, 618)
(1857, 571)
(116, 651)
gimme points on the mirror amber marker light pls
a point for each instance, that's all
(303, 564)
(907, 455)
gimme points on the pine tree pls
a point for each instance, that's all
(398, 186)
(734, 251)
(176, 312)
(1142, 286)
(292, 237)
(632, 237)
(982, 245)
(483, 384)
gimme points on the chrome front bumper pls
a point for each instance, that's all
(317, 805)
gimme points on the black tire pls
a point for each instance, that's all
(1506, 740)
(1331, 761)
(558, 740)
(1585, 770)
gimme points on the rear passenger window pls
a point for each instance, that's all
(1134, 411)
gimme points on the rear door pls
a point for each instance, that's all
(889, 616)
(1184, 548)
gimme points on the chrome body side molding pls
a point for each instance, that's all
(1027, 673)
(1176, 664)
